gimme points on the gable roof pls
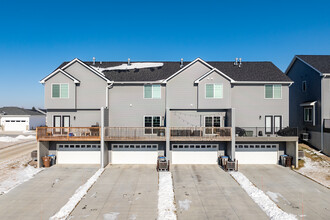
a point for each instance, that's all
(61, 71)
(211, 71)
(18, 111)
(248, 72)
(320, 63)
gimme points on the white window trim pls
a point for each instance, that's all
(312, 116)
(152, 122)
(152, 93)
(60, 90)
(213, 90)
(212, 116)
(273, 91)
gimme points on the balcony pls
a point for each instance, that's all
(68, 133)
(200, 134)
(265, 133)
(134, 133)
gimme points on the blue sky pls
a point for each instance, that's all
(37, 36)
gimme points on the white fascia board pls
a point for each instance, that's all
(88, 67)
(211, 71)
(186, 67)
(63, 72)
(139, 82)
(263, 82)
(308, 104)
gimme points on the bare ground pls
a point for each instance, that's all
(315, 165)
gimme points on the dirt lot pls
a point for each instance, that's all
(315, 165)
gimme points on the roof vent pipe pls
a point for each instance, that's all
(236, 62)
(128, 62)
(240, 62)
(93, 60)
(181, 63)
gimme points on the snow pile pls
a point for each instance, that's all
(166, 207)
(184, 205)
(18, 138)
(73, 201)
(132, 66)
(259, 197)
(17, 176)
(111, 216)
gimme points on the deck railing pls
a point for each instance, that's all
(266, 132)
(200, 133)
(68, 133)
(134, 133)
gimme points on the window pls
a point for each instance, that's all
(308, 114)
(152, 91)
(304, 86)
(211, 124)
(60, 91)
(273, 91)
(151, 123)
(214, 91)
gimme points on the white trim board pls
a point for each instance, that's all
(63, 72)
(211, 71)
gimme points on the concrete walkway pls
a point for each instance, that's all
(125, 191)
(212, 194)
(45, 194)
(295, 193)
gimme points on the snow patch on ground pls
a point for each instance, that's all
(316, 170)
(111, 216)
(259, 197)
(78, 195)
(15, 172)
(18, 138)
(132, 66)
(184, 205)
(166, 207)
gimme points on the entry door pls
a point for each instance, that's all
(66, 123)
(268, 124)
(277, 123)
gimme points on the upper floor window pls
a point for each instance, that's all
(273, 91)
(152, 92)
(308, 114)
(304, 86)
(60, 91)
(214, 91)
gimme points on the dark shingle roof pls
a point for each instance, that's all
(249, 71)
(319, 62)
(18, 111)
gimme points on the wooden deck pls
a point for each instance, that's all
(68, 134)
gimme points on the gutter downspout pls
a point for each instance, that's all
(107, 94)
(322, 121)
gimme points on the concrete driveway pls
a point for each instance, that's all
(45, 194)
(211, 194)
(125, 191)
(292, 192)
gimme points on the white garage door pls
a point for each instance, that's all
(78, 154)
(256, 153)
(194, 153)
(134, 153)
(16, 125)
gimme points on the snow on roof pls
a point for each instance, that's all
(132, 66)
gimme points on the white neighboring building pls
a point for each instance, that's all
(20, 119)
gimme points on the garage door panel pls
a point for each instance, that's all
(194, 157)
(254, 157)
(78, 157)
(134, 157)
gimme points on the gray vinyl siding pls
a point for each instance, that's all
(128, 105)
(209, 103)
(181, 90)
(250, 103)
(83, 118)
(91, 89)
(59, 103)
(300, 72)
(194, 118)
(326, 98)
